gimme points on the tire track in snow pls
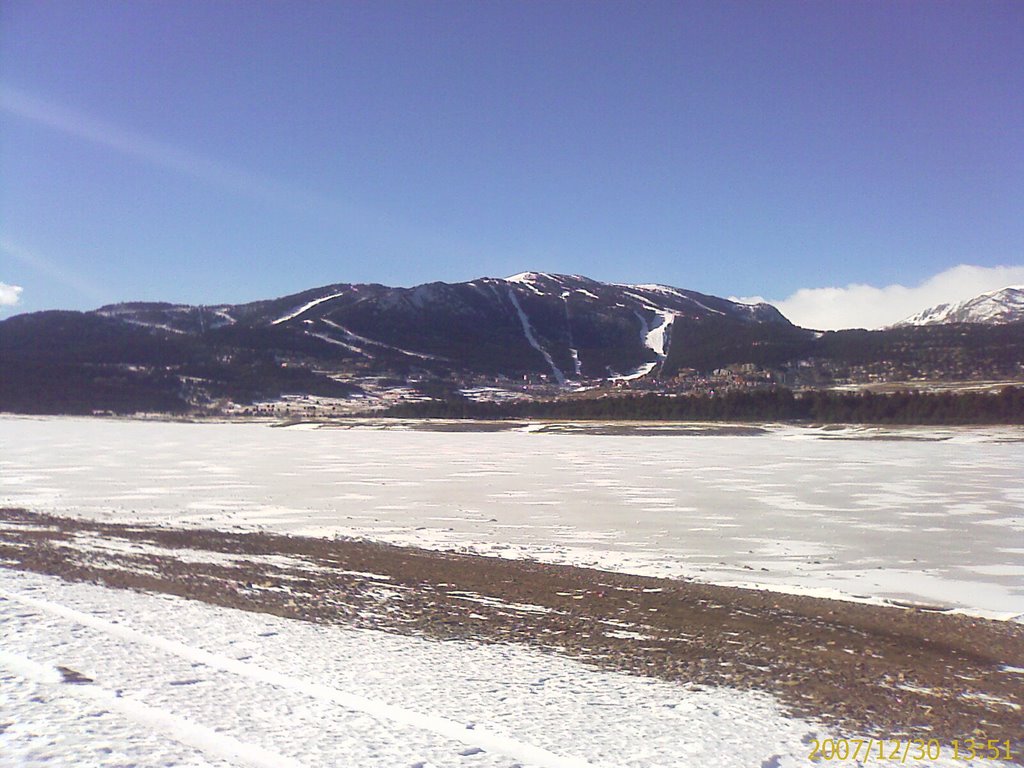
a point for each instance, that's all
(469, 735)
(180, 729)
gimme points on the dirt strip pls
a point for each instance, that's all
(866, 670)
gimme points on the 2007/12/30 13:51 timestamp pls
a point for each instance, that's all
(902, 750)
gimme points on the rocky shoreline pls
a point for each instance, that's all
(887, 672)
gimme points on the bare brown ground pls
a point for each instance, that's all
(880, 671)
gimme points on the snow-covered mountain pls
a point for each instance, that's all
(566, 327)
(994, 308)
(531, 329)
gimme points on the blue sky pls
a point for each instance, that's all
(229, 151)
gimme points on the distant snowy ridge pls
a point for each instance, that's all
(1005, 305)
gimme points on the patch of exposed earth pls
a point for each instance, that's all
(883, 671)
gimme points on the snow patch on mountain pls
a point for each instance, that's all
(675, 292)
(527, 280)
(639, 373)
(228, 319)
(576, 363)
(145, 324)
(336, 342)
(655, 338)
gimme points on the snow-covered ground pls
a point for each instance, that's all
(93, 676)
(100, 677)
(934, 516)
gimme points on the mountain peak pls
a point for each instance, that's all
(536, 277)
(1004, 305)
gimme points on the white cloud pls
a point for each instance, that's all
(865, 306)
(9, 294)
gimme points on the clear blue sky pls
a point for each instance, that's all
(227, 151)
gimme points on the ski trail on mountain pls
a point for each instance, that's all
(366, 340)
(528, 333)
(305, 308)
(576, 363)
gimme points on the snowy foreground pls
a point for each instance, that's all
(96, 676)
(91, 676)
(925, 515)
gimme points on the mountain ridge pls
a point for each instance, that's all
(569, 321)
(1004, 305)
(533, 334)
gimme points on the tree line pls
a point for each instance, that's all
(777, 404)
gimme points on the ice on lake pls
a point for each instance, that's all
(937, 519)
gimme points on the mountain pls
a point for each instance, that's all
(565, 327)
(995, 308)
(549, 333)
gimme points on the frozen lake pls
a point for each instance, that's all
(934, 516)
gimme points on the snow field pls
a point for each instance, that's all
(162, 680)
